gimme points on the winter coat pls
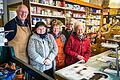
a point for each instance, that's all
(74, 47)
(39, 49)
(67, 33)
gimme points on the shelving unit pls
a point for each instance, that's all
(46, 5)
(111, 15)
(84, 3)
(63, 9)
(44, 12)
(111, 19)
(89, 14)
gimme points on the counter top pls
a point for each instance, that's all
(96, 64)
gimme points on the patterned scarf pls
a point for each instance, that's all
(42, 35)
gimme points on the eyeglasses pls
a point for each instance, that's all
(23, 12)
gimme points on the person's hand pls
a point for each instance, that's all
(82, 61)
(79, 57)
(47, 62)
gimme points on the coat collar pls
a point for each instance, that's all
(76, 37)
(56, 36)
(19, 22)
(37, 37)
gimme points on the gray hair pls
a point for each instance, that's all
(20, 6)
(77, 24)
(70, 20)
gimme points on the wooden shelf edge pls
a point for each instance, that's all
(77, 2)
(47, 16)
(64, 8)
(79, 18)
(45, 5)
(75, 10)
(85, 4)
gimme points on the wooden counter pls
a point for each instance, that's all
(97, 63)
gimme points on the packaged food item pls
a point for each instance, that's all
(38, 10)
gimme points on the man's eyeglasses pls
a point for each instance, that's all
(23, 12)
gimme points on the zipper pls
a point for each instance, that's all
(81, 47)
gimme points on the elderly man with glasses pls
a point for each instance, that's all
(19, 38)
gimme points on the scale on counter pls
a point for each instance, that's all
(113, 46)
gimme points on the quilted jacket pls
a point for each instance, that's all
(40, 49)
(74, 47)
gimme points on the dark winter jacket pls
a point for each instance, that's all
(12, 25)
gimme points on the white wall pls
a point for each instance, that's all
(8, 2)
(5, 11)
(13, 1)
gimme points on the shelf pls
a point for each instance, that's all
(92, 25)
(46, 5)
(112, 15)
(50, 16)
(75, 10)
(93, 18)
(88, 9)
(95, 13)
(84, 3)
(78, 18)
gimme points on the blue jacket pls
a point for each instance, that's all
(12, 25)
